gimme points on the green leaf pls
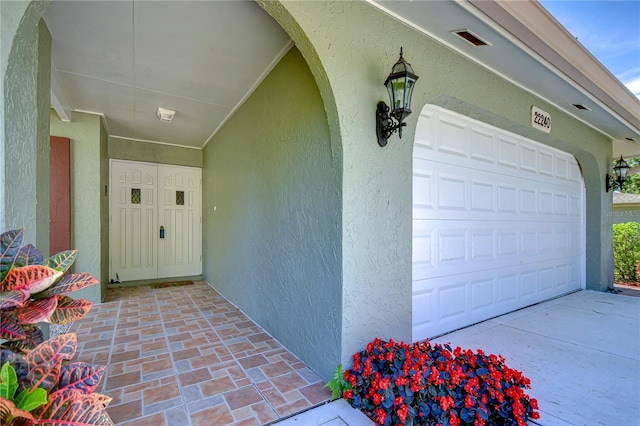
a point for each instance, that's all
(62, 261)
(10, 242)
(8, 381)
(337, 384)
(30, 400)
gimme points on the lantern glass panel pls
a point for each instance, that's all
(621, 168)
(408, 93)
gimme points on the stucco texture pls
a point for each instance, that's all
(19, 30)
(26, 134)
(125, 149)
(351, 47)
(271, 206)
(89, 212)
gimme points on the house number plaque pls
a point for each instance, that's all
(540, 120)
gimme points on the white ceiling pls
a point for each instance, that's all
(124, 59)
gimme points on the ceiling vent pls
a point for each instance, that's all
(470, 37)
(580, 107)
(166, 115)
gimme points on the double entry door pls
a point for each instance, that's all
(156, 221)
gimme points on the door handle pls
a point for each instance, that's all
(162, 232)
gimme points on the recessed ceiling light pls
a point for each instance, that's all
(166, 115)
(470, 37)
(580, 107)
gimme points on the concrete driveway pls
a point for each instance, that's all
(581, 352)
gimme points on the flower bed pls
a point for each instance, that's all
(423, 384)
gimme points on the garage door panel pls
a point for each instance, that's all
(442, 248)
(482, 146)
(498, 222)
(464, 299)
(462, 193)
(475, 141)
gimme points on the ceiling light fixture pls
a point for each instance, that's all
(166, 115)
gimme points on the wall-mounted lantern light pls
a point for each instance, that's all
(400, 86)
(621, 168)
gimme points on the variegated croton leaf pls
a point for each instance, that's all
(11, 299)
(44, 375)
(80, 376)
(10, 328)
(28, 255)
(9, 413)
(73, 407)
(30, 279)
(62, 261)
(38, 310)
(10, 242)
(61, 347)
(69, 310)
(33, 338)
(69, 283)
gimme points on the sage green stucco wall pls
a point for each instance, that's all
(271, 207)
(351, 47)
(17, 97)
(25, 134)
(124, 149)
(89, 212)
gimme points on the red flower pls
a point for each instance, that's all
(382, 415)
(384, 383)
(377, 399)
(402, 412)
(446, 402)
(390, 356)
(453, 419)
(348, 394)
(468, 401)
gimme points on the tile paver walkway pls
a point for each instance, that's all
(186, 356)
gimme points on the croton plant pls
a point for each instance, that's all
(39, 383)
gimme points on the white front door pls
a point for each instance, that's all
(180, 251)
(155, 221)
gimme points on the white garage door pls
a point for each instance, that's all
(498, 222)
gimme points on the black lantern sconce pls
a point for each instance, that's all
(400, 87)
(621, 168)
